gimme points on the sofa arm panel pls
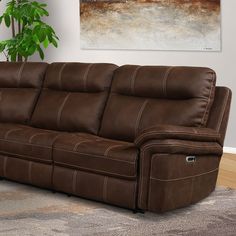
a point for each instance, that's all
(170, 147)
(219, 116)
(176, 183)
(177, 132)
(175, 146)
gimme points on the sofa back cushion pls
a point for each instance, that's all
(145, 96)
(20, 85)
(73, 97)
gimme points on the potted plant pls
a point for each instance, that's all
(30, 34)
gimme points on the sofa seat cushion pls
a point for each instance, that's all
(95, 154)
(27, 143)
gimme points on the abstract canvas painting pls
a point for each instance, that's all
(151, 24)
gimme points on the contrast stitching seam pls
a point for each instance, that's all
(94, 170)
(188, 177)
(175, 132)
(142, 166)
(20, 74)
(141, 177)
(139, 117)
(150, 187)
(60, 74)
(35, 135)
(60, 110)
(10, 131)
(179, 132)
(164, 83)
(29, 144)
(52, 148)
(183, 145)
(98, 138)
(54, 140)
(110, 148)
(85, 78)
(94, 155)
(78, 143)
(208, 102)
(74, 181)
(222, 113)
(105, 188)
(134, 76)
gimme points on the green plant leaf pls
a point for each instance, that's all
(35, 39)
(7, 20)
(43, 5)
(46, 42)
(13, 56)
(54, 42)
(1, 18)
(32, 49)
(2, 47)
(40, 51)
(34, 35)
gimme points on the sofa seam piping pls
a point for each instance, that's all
(183, 178)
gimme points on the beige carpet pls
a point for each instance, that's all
(27, 211)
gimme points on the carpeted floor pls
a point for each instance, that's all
(27, 211)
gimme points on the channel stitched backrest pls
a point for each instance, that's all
(145, 96)
(73, 97)
(20, 85)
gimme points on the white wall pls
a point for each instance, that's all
(64, 16)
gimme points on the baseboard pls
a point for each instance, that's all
(229, 150)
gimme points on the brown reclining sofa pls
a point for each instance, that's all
(139, 137)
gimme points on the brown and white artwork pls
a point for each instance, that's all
(151, 24)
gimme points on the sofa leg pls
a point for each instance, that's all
(136, 211)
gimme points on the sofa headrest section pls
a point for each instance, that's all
(74, 97)
(79, 77)
(164, 82)
(20, 85)
(22, 75)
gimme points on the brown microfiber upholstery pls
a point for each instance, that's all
(177, 132)
(24, 171)
(171, 147)
(20, 84)
(94, 154)
(73, 97)
(187, 183)
(144, 96)
(102, 188)
(25, 142)
(219, 115)
(150, 138)
(167, 180)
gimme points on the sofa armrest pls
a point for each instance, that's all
(207, 155)
(186, 147)
(162, 132)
